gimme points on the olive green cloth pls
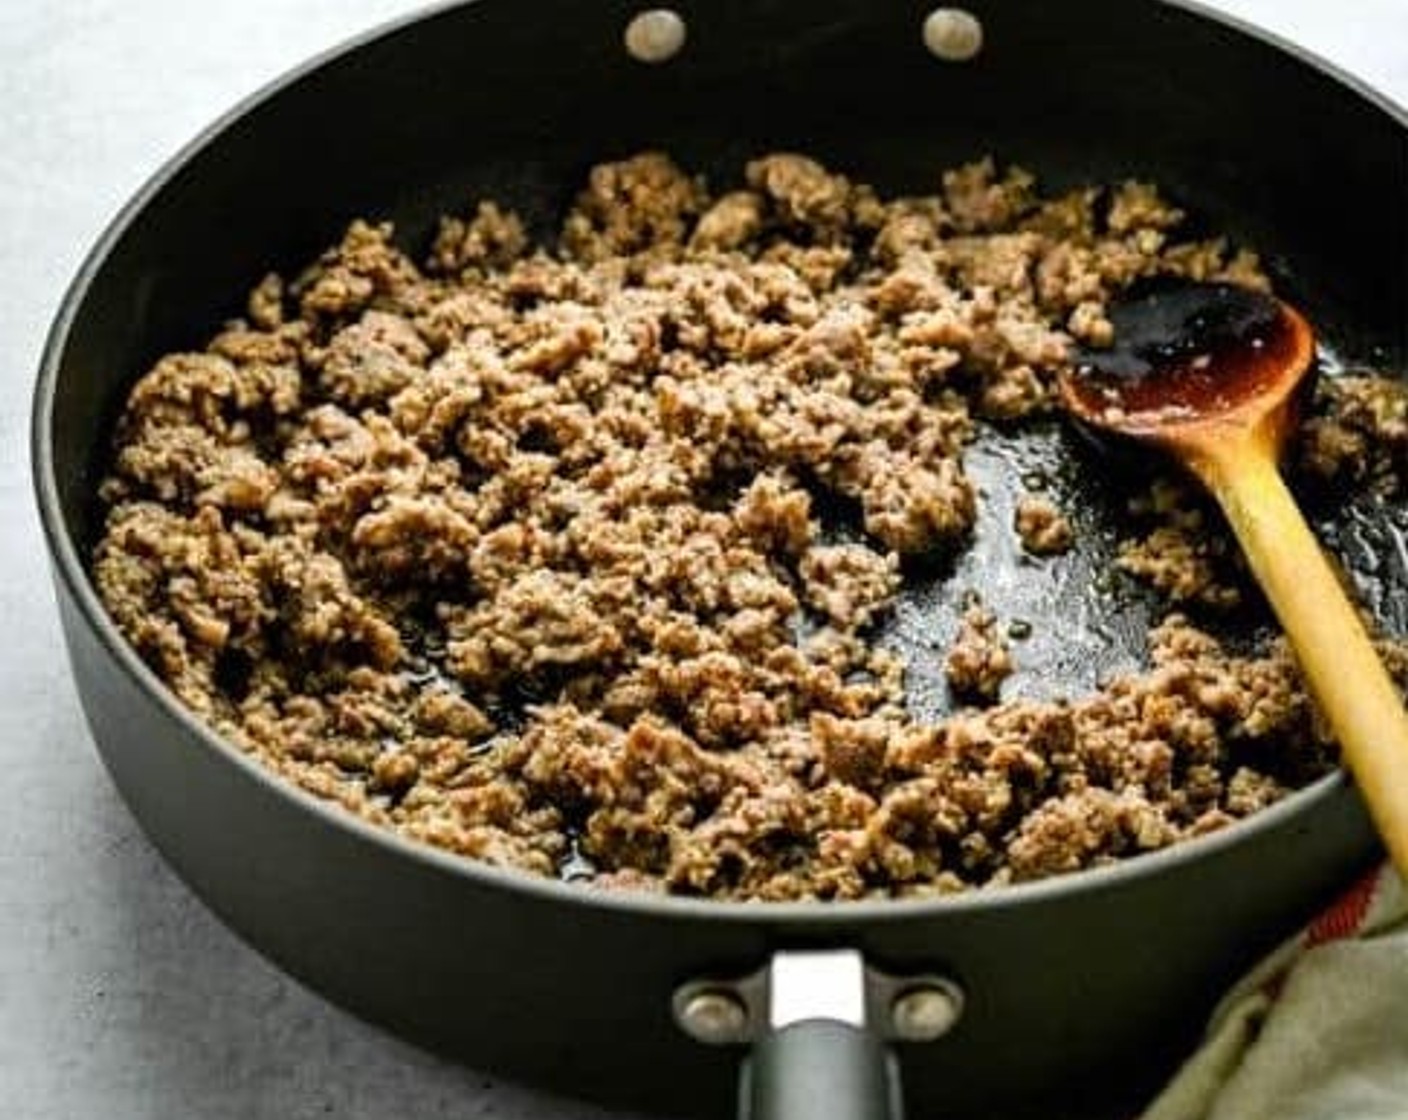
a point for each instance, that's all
(1318, 1031)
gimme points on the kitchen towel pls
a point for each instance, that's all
(1318, 1030)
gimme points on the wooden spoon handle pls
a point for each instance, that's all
(1340, 666)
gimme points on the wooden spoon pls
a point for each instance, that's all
(1209, 372)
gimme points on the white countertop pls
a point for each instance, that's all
(120, 995)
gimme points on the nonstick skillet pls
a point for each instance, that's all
(1046, 999)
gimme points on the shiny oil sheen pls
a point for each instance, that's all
(1185, 350)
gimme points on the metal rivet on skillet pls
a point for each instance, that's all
(925, 1011)
(953, 34)
(713, 1016)
(656, 35)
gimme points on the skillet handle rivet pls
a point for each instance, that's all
(924, 1012)
(714, 1016)
(656, 35)
(953, 34)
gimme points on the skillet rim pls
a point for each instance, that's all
(809, 916)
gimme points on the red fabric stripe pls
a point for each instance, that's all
(1344, 918)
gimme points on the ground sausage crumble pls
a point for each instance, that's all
(525, 553)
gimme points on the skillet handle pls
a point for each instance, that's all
(820, 1069)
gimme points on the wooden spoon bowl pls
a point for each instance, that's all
(1210, 373)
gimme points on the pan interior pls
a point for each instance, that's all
(261, 195)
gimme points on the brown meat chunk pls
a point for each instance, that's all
(803, 192)
(372, 360)
(978, 660)
(1357, 433)
(1042, 528)
(849, 583)
(493, 238)
(731, 222)
(914, 509)
(634, 206)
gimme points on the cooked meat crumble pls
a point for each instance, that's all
(572, 559)
(1179, 557)
(978, 660)
(1359, 434)
(1042, 528)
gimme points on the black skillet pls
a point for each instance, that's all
(1062, 998)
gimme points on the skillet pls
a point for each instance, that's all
(1086, 986)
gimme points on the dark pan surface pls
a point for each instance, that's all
(1080, 620)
